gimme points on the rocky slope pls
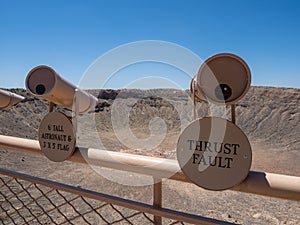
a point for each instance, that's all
(266, 114)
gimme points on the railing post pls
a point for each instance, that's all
(157, 198)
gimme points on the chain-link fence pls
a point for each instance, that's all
(25, 199)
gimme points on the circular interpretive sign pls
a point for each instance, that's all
(214, 153)
(56, 137)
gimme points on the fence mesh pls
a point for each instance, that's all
(24, 202)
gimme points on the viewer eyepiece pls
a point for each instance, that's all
(40, 89)
(223, 92)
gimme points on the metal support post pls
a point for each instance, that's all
(157, 198)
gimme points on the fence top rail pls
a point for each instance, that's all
(260, 183)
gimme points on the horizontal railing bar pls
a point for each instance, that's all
(260, 183)
(130, 204)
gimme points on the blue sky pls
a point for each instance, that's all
(70, 34)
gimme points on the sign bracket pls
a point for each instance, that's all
(76, 111)
(233, 114)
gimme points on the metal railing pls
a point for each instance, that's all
(126, 211)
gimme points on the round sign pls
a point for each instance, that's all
(214, 153)
(223, 78)
(56, 137)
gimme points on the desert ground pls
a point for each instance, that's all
(270, 117)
